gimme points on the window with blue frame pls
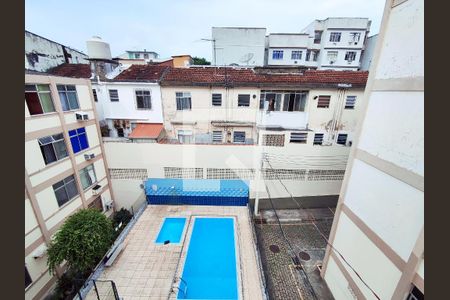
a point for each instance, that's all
(277, 54)
(78, 139)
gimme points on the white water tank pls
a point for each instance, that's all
(98, 49)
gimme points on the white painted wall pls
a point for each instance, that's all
(392, 131)
(234, 45)
(367, 56)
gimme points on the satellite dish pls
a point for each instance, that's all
(246, 58)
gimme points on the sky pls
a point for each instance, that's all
(175, 27)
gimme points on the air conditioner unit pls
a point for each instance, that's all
(40, 252)
(89, 156)
(96, 189)
(331, 62)
(107, 204)
(81, 116)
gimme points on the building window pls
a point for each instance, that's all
(78, 139)
(68, 97)
(217, 99)
(308, 55)
(275, 140)
(143, 99)
(350, 56)
(113, 95)
(324, 101)
(120, 132)
(65, 190)
(317, 36)
(277, 54)
(355, 37)
(244, 100)
(38, 99)
(299, 137)
(295, 101)
(335, 37)
(94, 92)
(53, 148)
(183, 100)
(415, 294)
(137, 55)
(28, 280)
(332, 56)
(318, 139)
(185, 136)
(217, 136)
(239, 137)
(342, 139)
(146, 55)
(87, 177)
(296, 55)
(315, 55)
(350, 102)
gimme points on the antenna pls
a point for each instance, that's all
(246, 58)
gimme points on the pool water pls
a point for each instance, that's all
(171, 230)
(210, 270)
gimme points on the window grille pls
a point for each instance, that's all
(140, 174)
(185, 173)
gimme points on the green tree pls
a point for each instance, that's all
(200, 61)
(82, 241)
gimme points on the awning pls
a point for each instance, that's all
(197, 191)
(146, 131)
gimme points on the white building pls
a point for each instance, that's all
(65, 167)
(243, 46)
(379, 222)
(131, 98)
(42, 54)
(140, 54)
(367, 54)
(340, 42)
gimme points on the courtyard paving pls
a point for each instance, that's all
(285, 279)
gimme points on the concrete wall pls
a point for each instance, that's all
(154, 157)
(381, 207)
(42, 54)
(242, 46)
(367, 55)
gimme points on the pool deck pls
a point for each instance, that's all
(145, 270)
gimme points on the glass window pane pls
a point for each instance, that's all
(72, 190)
(81, 130)
(83, 141)
(75, 144)
(34, 106)
(61, 87)
(61, 196)
(70, 87)
(47, 103)
(60, 149)
(73, 102)
(72, 132)
(30, 87)
(64, 101)
(85, 179)
(48, 153)
(43, 88)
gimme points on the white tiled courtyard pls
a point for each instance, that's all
(145, 270)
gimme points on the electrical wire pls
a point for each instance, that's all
(322, 235)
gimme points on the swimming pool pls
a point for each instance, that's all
(210, 270)
(171, 230)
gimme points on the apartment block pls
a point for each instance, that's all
(340, 42)
(65, 168)
(379, 222)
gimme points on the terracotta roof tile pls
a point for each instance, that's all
(247, 77)
(142, 73)
(71, 70)
(146, 130)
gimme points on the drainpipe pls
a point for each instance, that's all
(258, 174)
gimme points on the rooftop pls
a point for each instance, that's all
(71, 70)
(151, 73)
(146, 131)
